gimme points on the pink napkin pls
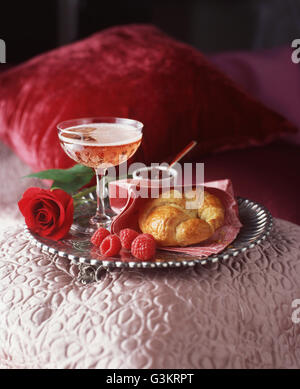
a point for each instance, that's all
(126, 203)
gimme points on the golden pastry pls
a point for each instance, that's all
(172, 223)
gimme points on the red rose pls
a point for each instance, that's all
(49, 213)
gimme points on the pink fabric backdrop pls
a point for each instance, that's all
(268, 75)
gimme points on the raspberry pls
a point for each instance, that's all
(110, 246)
(127, 235)
(143, 247)
(99, 235)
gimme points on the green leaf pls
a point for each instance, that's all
(69, 180)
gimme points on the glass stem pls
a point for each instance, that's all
(100, 191)
(100, 219)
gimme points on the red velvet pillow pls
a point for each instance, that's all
(136, 72)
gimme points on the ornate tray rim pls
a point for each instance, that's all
(225, 254)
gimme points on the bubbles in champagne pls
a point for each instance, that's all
(100, 144)
(101, 134)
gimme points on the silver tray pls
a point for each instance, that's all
(255, 218)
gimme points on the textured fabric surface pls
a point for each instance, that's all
(232, 314)
(137, 72)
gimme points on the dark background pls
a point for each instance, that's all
(34, 26)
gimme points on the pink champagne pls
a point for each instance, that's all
(100, 145)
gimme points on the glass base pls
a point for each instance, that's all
(88, 224)
(99, 220)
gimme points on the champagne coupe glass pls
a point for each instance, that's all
(99, 142)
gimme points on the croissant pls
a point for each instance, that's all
(171, 223)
